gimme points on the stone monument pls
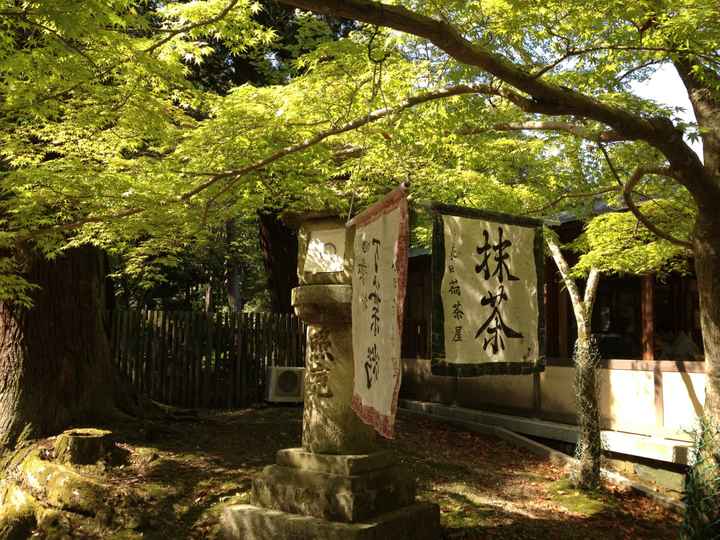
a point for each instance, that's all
(339, 485)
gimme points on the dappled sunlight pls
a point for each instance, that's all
(487, 488)
(179, 475)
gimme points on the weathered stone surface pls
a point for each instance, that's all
(347, 465)
(667, 479)
(333, 496)
(330, 426)
(323, 304)
(337, 486)
(83, 446)
(245, 522)
(328, 227)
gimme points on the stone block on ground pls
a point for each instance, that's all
(332, 496)
(667, 479)
(246, 522)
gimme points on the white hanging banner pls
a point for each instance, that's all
(487, 281)
(379, 281)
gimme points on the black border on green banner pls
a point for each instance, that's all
(438, 364)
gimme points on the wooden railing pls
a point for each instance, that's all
(191, 359)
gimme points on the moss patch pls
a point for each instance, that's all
(63, 487)
(576, 501)
(464, 507)
(17, 512)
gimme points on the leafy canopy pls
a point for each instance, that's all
(107, 138)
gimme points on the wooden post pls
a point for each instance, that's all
(242, 358)
(250, 359)
(172, 358)
(162, 366)
(203, 337)
(647, 301)
(120, 341)
(151, 349)
(139, 331)
(187, 357)
(209, 367)
(646, 307)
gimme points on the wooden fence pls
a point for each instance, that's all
(191, 359)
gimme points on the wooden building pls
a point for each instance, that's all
(652, 370)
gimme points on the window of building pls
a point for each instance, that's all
(616, 321)
(676, 313)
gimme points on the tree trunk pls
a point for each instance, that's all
(232, 271)
(706, 245)
(55, 364)
(208, 300)
(702, 482)
(586, 359)
(589, 444)
(279, 248)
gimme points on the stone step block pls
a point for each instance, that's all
(246, 522)
(347, 465)
(335, 497)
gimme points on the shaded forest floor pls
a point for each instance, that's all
(180, 474)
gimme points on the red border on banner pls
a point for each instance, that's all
(385, 424)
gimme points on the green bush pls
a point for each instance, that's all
(702, 485)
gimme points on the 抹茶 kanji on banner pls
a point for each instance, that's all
(487, 271)
(379, 281)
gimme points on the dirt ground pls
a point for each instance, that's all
(181, 473)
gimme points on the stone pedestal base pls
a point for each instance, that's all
(245, 522)
(326, 496)
(350, 488)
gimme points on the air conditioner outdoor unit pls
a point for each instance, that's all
(285, 384)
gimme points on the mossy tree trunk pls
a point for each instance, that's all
(587, 394)
(55, 363)
(586, 360)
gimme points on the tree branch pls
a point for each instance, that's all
(639, 173)
(65, 42)
(579, 52)
(591, 287)
(235, 174)
(572, 288)
(187, 28)
(580, 195)
(546, 97)
(321, 136)
(567, 127)
(611, 165)
(150, 49)
(705, 103)
(632, 70)
(445, 36)
(79, 223)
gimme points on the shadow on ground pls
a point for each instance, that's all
(183, 473)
